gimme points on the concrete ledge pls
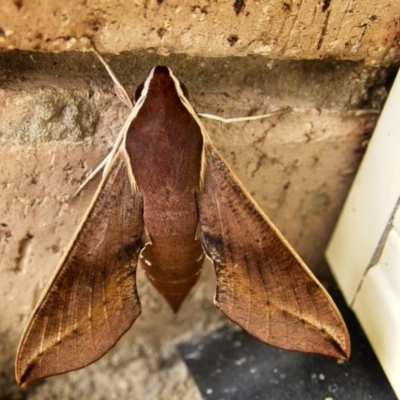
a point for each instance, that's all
(339, 29)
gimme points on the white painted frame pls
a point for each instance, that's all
(364, 251)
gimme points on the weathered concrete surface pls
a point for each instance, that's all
(340, 29)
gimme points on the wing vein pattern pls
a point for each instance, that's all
(262, 284)
(92, 300)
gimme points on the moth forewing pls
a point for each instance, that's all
(70, 243)
(91, 299)
(262, 284)
(276, 231)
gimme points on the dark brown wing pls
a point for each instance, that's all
(262, 284)
(92, 300)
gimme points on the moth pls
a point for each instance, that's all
(165, 199)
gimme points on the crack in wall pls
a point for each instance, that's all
(323, 31)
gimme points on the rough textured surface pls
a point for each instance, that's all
(340, 29)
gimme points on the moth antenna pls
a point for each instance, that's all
(243, 119)
(119, 88)
(107, 162)
(124, 97)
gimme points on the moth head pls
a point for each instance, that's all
(163, 71)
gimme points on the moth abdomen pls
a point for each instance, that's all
(173, 282)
